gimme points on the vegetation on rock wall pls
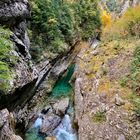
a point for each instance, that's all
(6, 59)
(58, 24)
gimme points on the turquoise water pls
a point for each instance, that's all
(63, 87)
(63, 132)
(33, 134)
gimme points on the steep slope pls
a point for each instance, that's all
(103, 107)
(107, 82)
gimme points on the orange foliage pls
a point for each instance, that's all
(105, 18)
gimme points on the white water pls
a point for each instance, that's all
(65, 131)
(64, 135)
(38, 123)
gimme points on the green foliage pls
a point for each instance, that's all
(133, 79)
(123, 81)
(6, 59)
(136, 102)
(135, 71)
(99, 117)
(89, 18)
(57, 24)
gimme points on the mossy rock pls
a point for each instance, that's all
(7, 60)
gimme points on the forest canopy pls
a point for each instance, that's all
(57, 24)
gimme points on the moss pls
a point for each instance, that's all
(99, 117)
(7, 60)
(5, 77)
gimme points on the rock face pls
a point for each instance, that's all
(11, 10)
(6, 126)
(13, 14)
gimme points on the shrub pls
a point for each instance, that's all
(99, 117)
(89, 18)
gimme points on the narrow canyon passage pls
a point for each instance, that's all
(69, 70)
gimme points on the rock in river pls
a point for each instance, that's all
(61, 106)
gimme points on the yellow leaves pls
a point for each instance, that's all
(127, 25)
(52, 21)
(105, 18)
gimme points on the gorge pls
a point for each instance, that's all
(69, 70)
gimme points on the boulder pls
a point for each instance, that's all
(118, 100)
(61, 106)
(50, 122)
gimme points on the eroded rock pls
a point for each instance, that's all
(6, 122)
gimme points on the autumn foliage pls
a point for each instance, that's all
(105, 18)
(127, 25)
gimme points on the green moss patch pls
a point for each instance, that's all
(7, 60)
(99, 117)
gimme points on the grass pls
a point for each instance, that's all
(99, 117)
(135, 100)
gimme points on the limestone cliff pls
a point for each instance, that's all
(13, 15)
(16, 59)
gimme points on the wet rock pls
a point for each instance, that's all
(118, 100)
(50, 122)
(61, 106)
